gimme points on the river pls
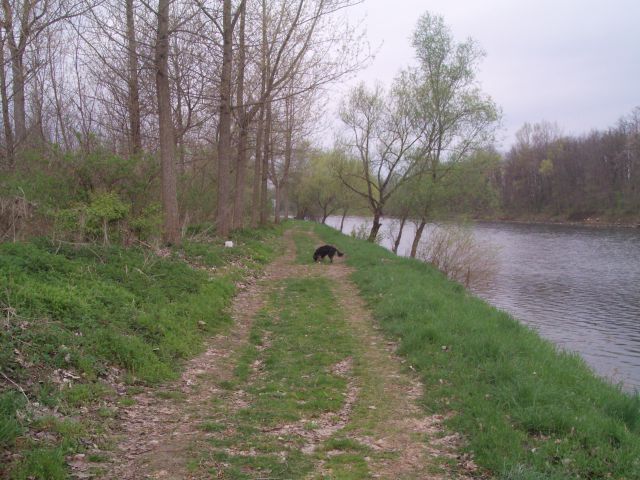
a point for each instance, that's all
(577, 286)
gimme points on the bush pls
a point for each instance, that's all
(454, 250)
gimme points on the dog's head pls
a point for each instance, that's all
(340, 254)
(315, 257)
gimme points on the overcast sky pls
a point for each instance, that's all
(574, 62)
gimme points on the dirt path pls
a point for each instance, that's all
(162, 435)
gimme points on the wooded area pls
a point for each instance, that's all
(575, 177)
(126, 121)
(122, 119)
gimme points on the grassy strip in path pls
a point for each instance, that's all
(284, 383)
(77, 321)
(527, 411)
(305, 245)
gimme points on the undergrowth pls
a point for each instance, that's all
(527, 410)
(78, 321)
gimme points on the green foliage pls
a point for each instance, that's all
(527, 410)
(319, 191)
(107, 207)
(148, 224)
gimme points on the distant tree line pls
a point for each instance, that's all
(550, 174)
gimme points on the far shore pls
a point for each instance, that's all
(597, 222)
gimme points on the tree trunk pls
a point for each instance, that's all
(135, 140)
(17, 71)
(375, 228)
(344, 214)
(417, 237)
(171, 232)
(8, 132)
(285, 199)
(241, 170)
(266, 158)
(241, 164)
(19, 111)
(257, 172)
(288, 153)
(396, 243)
(278, 202)
(224, 125)
(16, 51)
(58, 103)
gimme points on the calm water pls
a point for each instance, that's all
(578, 286)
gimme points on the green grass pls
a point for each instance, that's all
(526, 410)
(305, 246)
(73, 313)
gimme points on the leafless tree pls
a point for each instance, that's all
(171, 231)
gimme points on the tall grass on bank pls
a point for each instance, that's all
(527, 411)
(76, 321)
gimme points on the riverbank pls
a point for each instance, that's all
(304, 381)
(588, 221)
(526, 410)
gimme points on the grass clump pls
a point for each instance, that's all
(75, 319)
(527, 410)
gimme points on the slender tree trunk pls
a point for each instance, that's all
(8, 132)
(180, 127)
(58, 102)
(344, 214)
(417, 237)
(171, 232)
(37, 101)
(288, 153)
(224, 140)
(16, 52)
(266, 159)
(241, 165)
(135, 141)
(19, 110)
(285, 199)
(278, 202)
(375, 228)
(396, 243)
(257, 172)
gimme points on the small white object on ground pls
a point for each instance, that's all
(228, 243)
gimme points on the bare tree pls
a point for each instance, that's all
(23, 21)
(171, 232)
(383, 135)
(134, 90)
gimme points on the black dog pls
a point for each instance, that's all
(326, 250)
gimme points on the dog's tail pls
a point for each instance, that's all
(340, 254)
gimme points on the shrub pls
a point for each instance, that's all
(454, 250)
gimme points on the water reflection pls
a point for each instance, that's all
(578, 286)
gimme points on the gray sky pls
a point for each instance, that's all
(574, 62)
